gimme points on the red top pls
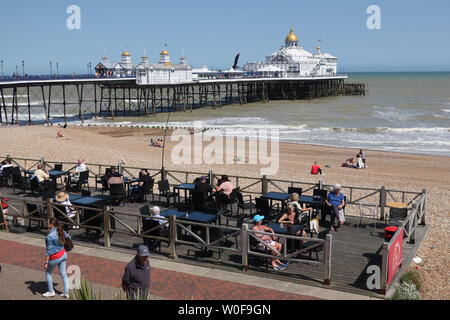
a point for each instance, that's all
(391, 229)
(315, 168)
(57, 255)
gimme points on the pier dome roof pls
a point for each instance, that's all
(164, 52)
(126, 54)
(292, 37)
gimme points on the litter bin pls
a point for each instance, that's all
(389, 232)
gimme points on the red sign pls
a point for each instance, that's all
(395, 256)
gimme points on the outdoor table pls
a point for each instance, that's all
(186, 187)
(54, 174)
(128, 182)
(289, 229)
(81, 201)
(396, 205)
(277, 196)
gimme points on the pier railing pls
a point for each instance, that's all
(374, 197)
(407, 228)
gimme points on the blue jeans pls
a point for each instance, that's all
(61, 263)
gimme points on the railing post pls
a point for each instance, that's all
(384, 268)
(210, 178)
(172, 237)
(413, 224)
(163, 173)
(50, 213)
(106, 226)
(265, 185)
(120, 168)
(24, 213)
(423, 208)
(382, 201)
(327, 260)
(244, 246)
(320, 184)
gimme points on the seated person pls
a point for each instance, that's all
(59, 135)
(276, 263)
(315, 170)
(41, 173)
(335, 200)
(289, 218)
(63, 199)
(81, 167)
(155, 211)
(139, 190)
(114, 177)
(223, 191)
(203, 187)
(5, 164)
(297, 207)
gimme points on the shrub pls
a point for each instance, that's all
(407, 291)
(414, 277)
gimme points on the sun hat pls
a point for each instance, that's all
(155, 209)
(258, 218)
(62, 196)
(142, 250)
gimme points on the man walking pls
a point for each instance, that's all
(136, 279)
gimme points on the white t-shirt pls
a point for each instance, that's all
(80, 168)
(69, 212)
(4, 166)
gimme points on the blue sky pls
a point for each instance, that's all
(414, 34)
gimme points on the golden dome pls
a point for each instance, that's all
(126, 54)
(165, 52)
(291, 36)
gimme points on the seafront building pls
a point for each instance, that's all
(291, 60)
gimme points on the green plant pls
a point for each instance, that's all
(407, 291)
(84, 293)
(414, 277)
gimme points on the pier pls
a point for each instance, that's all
(27, 101)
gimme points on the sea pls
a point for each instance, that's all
(402, 112)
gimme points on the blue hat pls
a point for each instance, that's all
(203, 178)
(258, 218)
(142, 250)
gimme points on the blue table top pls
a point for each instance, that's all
(276, 196)
(186, 186)
(194, 216)
(131, 180)
(308, 199)
(51, 172)
(84, 201)
(285, 228)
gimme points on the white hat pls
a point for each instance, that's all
(155, 209)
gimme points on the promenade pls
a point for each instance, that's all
(21, 258)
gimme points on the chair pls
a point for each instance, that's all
(34, 208)
(396, 215)
(239, 224)
(145, 211)
(164, 191)
(366, 211)
(147, 224)
(198, 201)
(6, 175)
(148, 189)
(245, 205)
(292, 190)
(316, 249)
(322, 193)
(18, 181)
(116, 192)
(35, 187)
(263, 208)
(58, 167)
(102, 180)
(82, 180)
(254, 246)
(85, 193)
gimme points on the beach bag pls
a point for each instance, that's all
(314, 225)
(68, 244)
(342, 215)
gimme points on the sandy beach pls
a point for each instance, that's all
(110, 145)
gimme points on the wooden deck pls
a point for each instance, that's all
(352, 252)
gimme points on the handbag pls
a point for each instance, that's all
(68, 244)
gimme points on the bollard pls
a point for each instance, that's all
(172, 237)
(327, 260)
(244, 246)
(106, 226)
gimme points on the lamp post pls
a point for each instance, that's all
(57, 69)
(23, 68)
(51, 70)
(1, 66)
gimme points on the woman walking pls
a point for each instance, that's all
(55, 256)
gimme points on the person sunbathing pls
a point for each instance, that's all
(59, 135)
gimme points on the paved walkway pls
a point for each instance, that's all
(169, 280)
